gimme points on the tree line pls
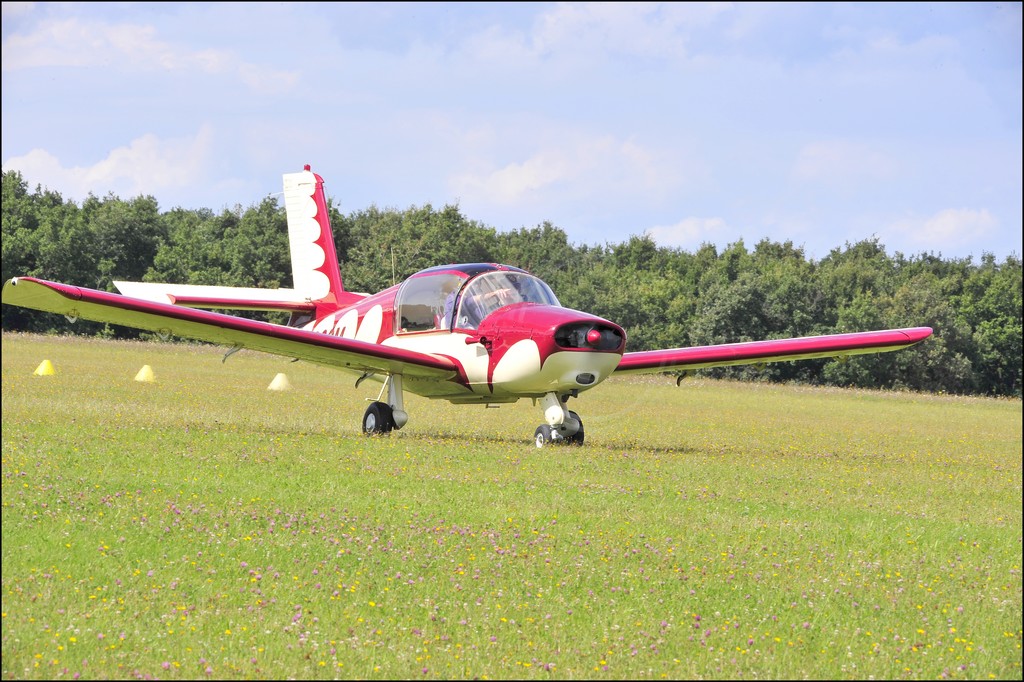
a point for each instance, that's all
(663, 297)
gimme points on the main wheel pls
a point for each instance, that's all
(543, 435)
(378, 419)
(576, 438)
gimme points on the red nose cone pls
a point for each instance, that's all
(593, 336)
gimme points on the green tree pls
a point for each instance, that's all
(192, 251)
(991, 304)
(544, 251)
(256, 246)
(125, 236)
(937, 364)
(849, 272)
(45, 237)
(20, 220)
(385, 246)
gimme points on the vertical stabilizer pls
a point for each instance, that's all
(315, 270)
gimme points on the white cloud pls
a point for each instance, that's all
(74, 43)
(148, 165)
(886, 52)
(267, 81)
(640, 28)
(690, 232)
(592, 168)
(571, 35)
(514, 181)
(949, 229)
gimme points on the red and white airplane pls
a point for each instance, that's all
(471, 333)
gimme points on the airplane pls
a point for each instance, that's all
(470, 333)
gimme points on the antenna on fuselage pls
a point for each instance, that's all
(393, 266)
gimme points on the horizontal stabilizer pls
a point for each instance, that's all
(205, 296)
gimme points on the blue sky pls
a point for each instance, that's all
(821, 124)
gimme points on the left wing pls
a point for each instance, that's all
(167, 319)
(776, 350)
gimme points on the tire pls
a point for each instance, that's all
(542, 436)
(576, 438)
(378, 419)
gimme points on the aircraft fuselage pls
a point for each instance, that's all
(524, 345)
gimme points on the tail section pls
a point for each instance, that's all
(316, 277)
(315, 272)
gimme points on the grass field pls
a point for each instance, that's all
(202, 526)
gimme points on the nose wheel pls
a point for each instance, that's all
(559, 435)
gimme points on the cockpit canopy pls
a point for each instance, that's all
(461, 296)
(485, 293)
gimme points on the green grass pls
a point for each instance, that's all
(202, 526)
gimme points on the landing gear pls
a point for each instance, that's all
(383, 417)
(378, 418)
(563, 426)
(548, 434)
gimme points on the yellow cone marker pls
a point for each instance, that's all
(145, 374)
(45, 369)
(280, 383)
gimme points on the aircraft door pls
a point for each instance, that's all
(427, 303)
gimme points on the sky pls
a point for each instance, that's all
(819, 124)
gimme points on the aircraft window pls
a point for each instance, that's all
(426, 303)
(494, 290)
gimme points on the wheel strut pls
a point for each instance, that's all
(563, 425)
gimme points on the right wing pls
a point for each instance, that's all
(167, 319)
(773, 350)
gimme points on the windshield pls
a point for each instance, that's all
(493, 290)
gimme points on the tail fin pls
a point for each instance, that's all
(315, 272)
(316, 277)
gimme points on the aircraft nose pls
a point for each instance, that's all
(542, 349)
(590, 334)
